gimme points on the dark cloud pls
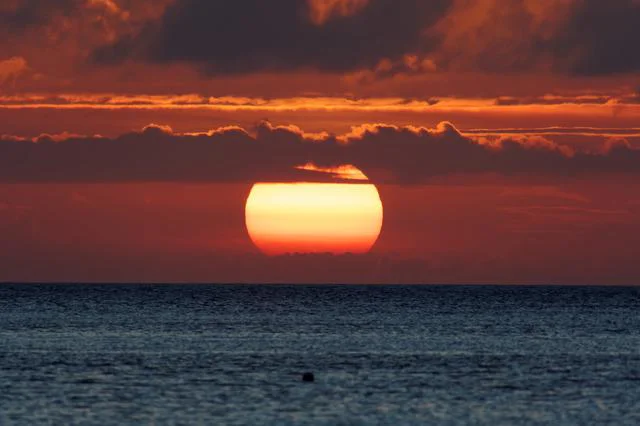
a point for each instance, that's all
(223, 37)
(387, 154)
(601, 37)
(155, 154)
(256, 35)
(25, 14)
(578, 37)
(378, 40)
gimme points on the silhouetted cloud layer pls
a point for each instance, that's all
(387, 154)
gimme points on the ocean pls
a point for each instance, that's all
(235, 354)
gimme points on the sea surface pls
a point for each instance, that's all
(234, 354)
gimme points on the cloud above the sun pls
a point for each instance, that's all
(384, 153)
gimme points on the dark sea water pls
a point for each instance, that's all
(158, 354)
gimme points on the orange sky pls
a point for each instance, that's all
(578, 232)
(503, 136)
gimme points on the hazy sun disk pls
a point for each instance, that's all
(313, 217)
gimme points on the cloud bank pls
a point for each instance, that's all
(385, 153)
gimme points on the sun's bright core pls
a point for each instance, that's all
(313, 217)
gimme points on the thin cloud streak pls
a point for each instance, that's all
(557, 131)
(196, 102)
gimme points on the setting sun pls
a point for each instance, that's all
(313, 217)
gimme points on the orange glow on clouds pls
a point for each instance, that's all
(323, 10)
(346, 172)
(313, 217)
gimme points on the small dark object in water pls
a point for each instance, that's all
(308, 377)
